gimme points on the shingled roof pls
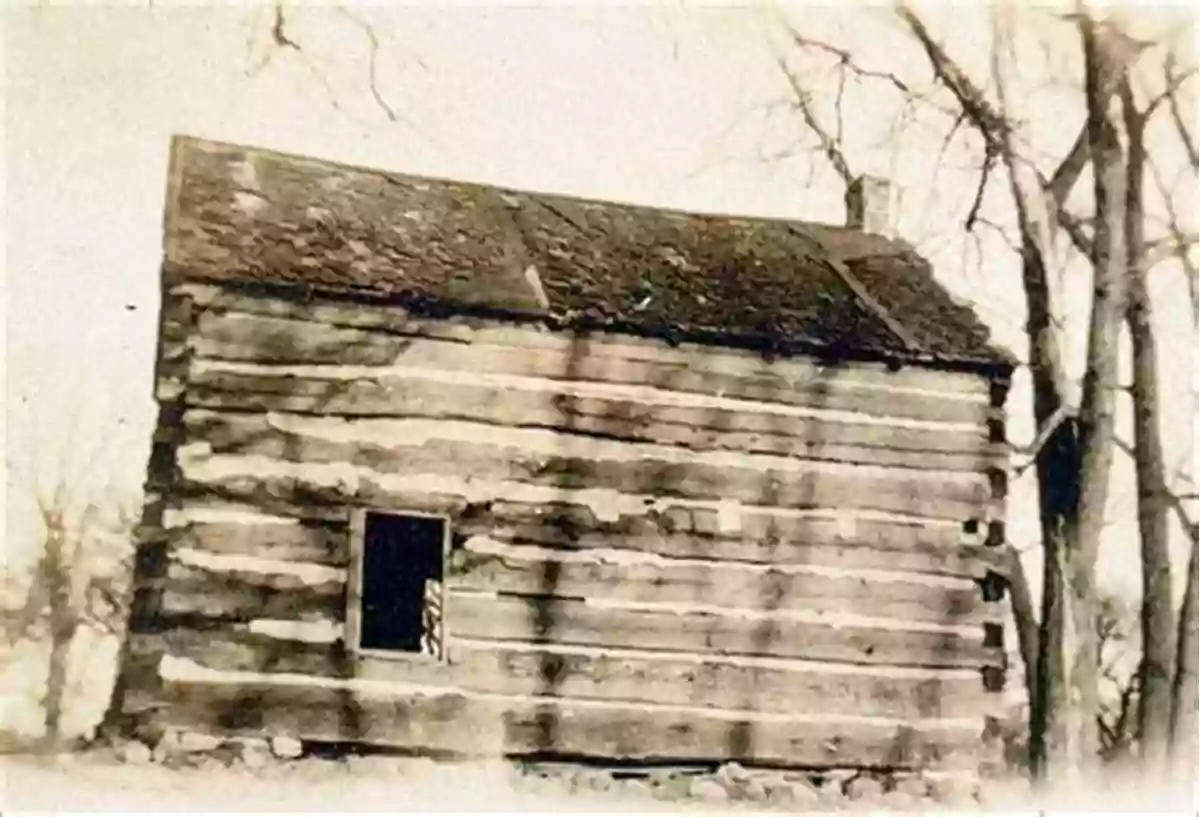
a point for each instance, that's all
(256, 217)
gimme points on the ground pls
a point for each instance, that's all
(103, 780)
(100, 780)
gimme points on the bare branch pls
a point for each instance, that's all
(373, 42)
(1073, 227)
(1060, 415)
(846, 60)
(1063, 180)
(837, 104)
(1185, 136)
(996, 228)
(989, 160)
(1177, 245)
(1181, 243)
(1175, 500)
(1174, 82)
(988, 121)
(277, 32)
(803, 102)
(1189, 144)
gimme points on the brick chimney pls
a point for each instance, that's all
(869, 205)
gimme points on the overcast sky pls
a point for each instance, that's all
(672, 105)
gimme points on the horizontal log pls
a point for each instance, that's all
(262, 339)
(966, 562)
(476, 725)
(467, 329)
(294, 446)
(695, 428)
(778, 686)
(316, 542)
(572, 622)
(191, 510)
(245, 595)
(581, 519)
(484, 565)
(762, 537)
(676, 532)
(525, 571)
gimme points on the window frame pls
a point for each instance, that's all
(352, 628)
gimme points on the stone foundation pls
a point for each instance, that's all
(788, 789)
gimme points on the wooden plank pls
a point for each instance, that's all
(466, 329)
(255, 338)
(486, 726)
(700, 429)
(550, 459)
(776, 686)
(513, 570)
(572, 622)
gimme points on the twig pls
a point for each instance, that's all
(989, 159)
(1160, 250)
(1175, 500)
(803, 103)
(846, 59)
(277, 32)
(1192, 274)
(371, 55)
(1189, 144)
(837, 102)
(1174, 82)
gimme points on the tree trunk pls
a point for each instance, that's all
(1157, 615)
(1048, 726)
(1058, 500)
(1184, 689)
(62, 623)
(1024, 617)
(1096, 411)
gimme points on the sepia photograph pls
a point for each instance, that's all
(646, 406)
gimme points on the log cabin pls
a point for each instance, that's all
(450, 468)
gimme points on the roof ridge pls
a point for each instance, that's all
(863, 294)
(539, 195)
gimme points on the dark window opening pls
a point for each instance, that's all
(401, 583)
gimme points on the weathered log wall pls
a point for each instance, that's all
(658, 552)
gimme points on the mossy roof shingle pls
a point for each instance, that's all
(250, 216)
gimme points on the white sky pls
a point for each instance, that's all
(667, 105)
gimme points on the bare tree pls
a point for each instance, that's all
(1097, 411)
(1157, 618)
(1072, 451)
(68, 590)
